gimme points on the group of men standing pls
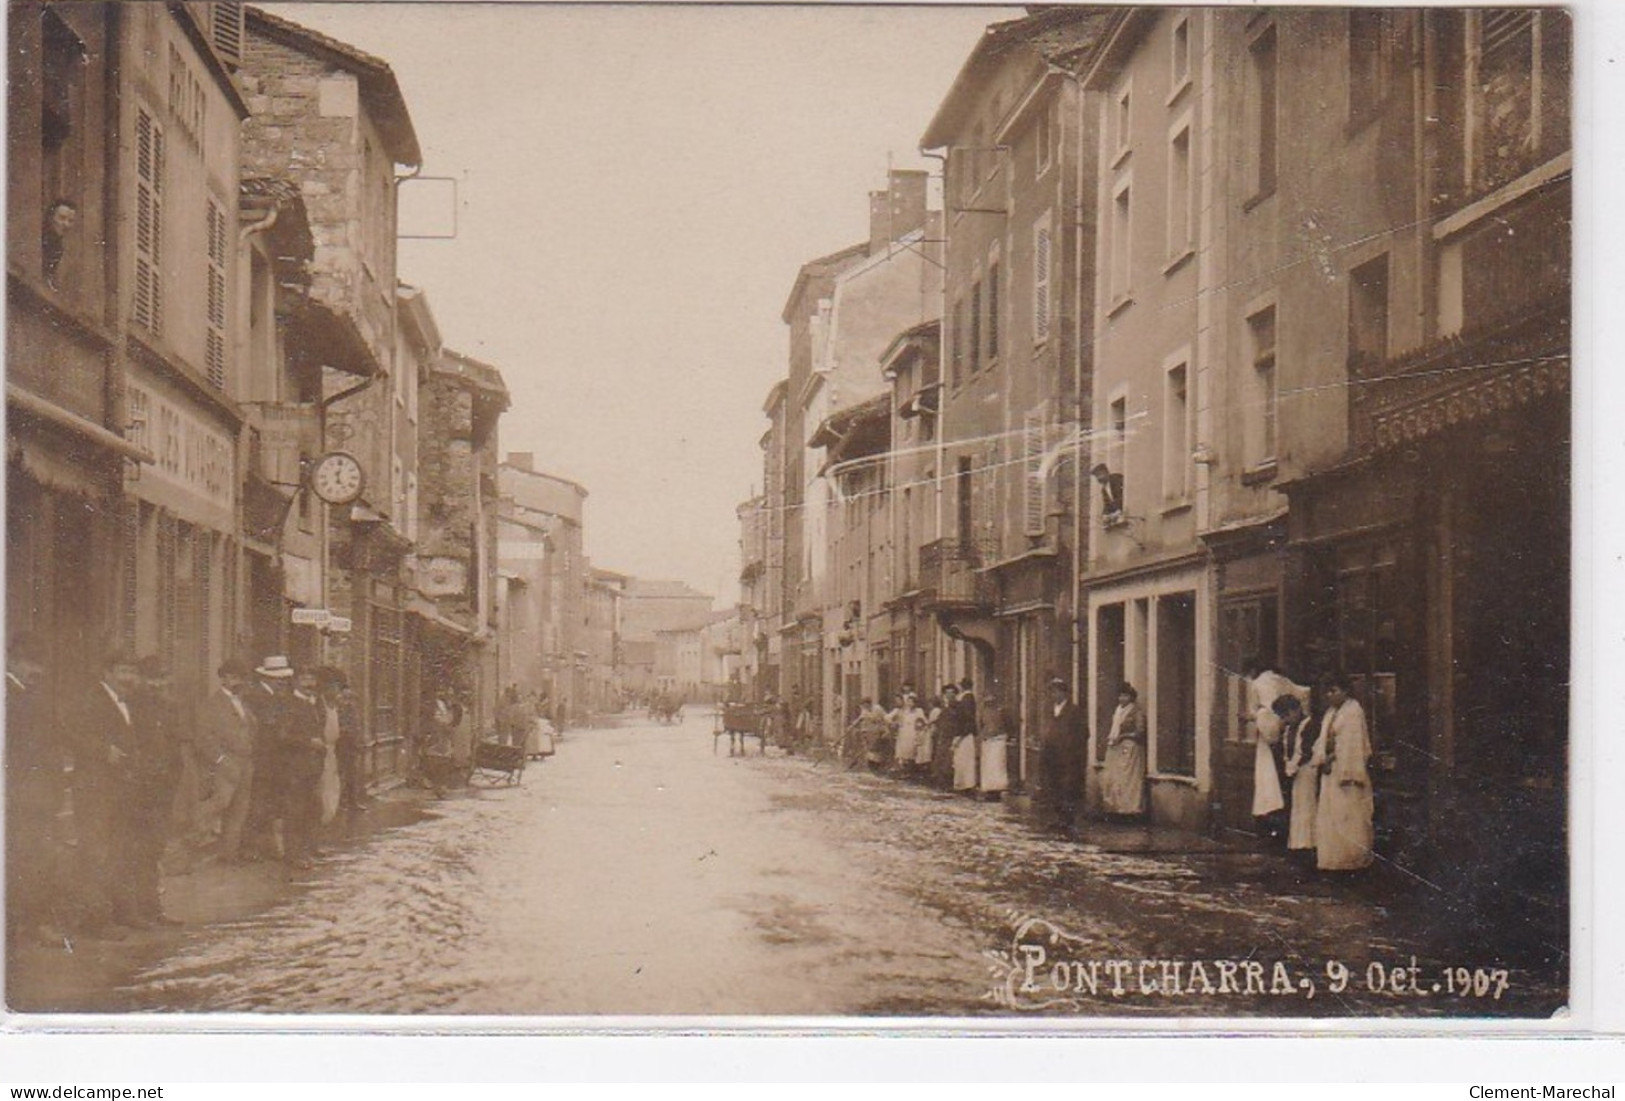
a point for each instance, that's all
(100, 785)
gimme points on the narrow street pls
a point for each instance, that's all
(636, 872)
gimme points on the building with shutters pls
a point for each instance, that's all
(453, 570)
(1331, 401)
(332, 119)
(541, 545)
(123, 368)
(1017, 138)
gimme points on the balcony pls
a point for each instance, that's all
(949, 579)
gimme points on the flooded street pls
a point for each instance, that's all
(638, 872)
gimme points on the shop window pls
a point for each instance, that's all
(1111, 644)
(1368, 618)
(1174, 720)
(1248, 627)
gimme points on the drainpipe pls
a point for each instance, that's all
(943, 345)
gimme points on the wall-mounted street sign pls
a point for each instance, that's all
(311, 617)
(338, 624)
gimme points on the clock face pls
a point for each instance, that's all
(337, 478)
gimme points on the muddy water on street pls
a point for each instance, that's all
(639, 872)
(634, 873)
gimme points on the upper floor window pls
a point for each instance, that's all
(214, 341)
(1368, 63)
(975, 334)
(1179, 57)
(1044, 140)
(62, 137)
(1181, 193)
(1368, 315)
(1176, 435)
(992, 327)
(1261, 423)
(1261, 77)
(1121, 242)
(1518, 89)
(147, 305)
(1122, 122)
(1042, 261)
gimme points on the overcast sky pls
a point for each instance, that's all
(637, 187)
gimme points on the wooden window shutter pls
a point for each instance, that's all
(1041, 282)
(130, 553)
(147, 306)
(215, 340)
(1034, 502)
(226, 31)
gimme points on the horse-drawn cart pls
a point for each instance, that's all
(739, 721)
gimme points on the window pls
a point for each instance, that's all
(1181, 194)
(1179, 66)
(61, 144)
(1033, 504)
(976, 326)
(1368, 315)
(1117, 457)
(1173, 715)
(1518, 89)
(1044, 140)
(1262, 77)
(993, 311)
(1261, 338)
(1041, 280)
(1122, 120)
(1176, 436)
(1248, 628)
(187, 103)
(956, 342)
(147, 309)
(1368, 28)
(1121, 245)
(215, 327)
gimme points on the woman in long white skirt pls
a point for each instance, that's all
(1298, 744)
(1122, 784)
(995, 773)
(1343, 829)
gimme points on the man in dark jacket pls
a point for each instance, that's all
(1062, 756)
(338, 698)
(303, 752)
(35, 788)
(103, 744)
(268, 701)
(949, 726)
(142, 817)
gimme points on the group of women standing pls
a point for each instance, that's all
(1315, 776)
(946, 740)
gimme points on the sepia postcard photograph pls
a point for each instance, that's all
(1030, 516)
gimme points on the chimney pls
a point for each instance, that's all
(898, 211)
(523, 460)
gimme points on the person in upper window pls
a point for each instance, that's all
(59, 221)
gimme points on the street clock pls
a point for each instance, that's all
(337, 478)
